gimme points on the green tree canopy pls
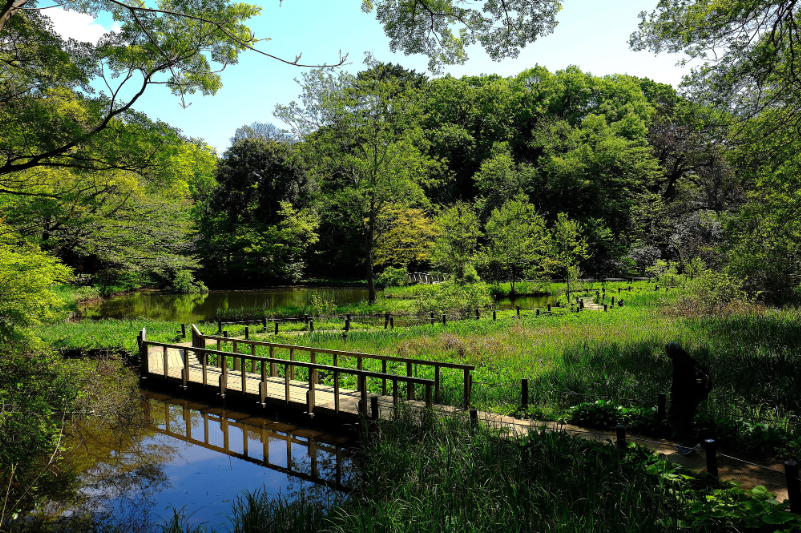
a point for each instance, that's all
(517, 242)
(366, 149)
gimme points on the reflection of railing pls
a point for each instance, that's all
(265, 435)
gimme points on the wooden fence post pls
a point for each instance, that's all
(711, 457)
(620, 431)
(247, 333)
(793, 486)
(183, 331)
(144, 358)
(374, 407)
(466, 388)
(524, 393)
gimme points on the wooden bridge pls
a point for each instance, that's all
(271, 379)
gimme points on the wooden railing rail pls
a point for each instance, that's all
(409, 362)
(289, 365)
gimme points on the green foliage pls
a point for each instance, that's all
(517, 241)
(393, 277)
(455, 248)
(366, 148)
(185, 283)
(451, 297)
(429, 28)
(56, 117)
(321, 304)
(26, 278)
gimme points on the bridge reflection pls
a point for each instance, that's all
(305, 454)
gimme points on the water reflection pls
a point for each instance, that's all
(190, 308)
(199, 307)
(196, 458)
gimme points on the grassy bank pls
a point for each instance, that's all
(422, 473)
(591, 367)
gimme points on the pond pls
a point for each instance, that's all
(195, 308)
(198, 459)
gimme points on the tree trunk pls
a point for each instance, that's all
(371, 298)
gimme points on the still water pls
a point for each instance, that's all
(196, 458)
(189, 308)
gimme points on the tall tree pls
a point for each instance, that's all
(455, 248)
(366, 149)
(517, 241)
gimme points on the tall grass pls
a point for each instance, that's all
(568, 357)
(425, 473)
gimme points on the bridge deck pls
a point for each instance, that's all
(276, 386)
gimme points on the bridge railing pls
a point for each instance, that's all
(199, 340)
(263, 363)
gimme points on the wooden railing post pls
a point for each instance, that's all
(166, 361)
(436, 384)
(466, 388)
(286, 382)
(244, 379)
(336, 392)
(144, 358)
(409, 384)
(185, 370)
(363, 401)
(272, 363)
(384, 381)
(310, 393)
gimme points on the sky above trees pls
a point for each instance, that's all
(590, 34)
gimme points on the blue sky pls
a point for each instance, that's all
(592, 34)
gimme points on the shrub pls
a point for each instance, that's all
(393, 277)
(185, 283)
(450, 296)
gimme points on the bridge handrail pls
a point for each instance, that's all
(303, 364)
(389, 358)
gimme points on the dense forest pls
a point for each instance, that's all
(495, 178)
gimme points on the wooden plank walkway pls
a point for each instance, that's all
(279, 390)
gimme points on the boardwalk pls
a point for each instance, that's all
(271, 380)
(187, 367)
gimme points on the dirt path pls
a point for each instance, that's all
(747, 475)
